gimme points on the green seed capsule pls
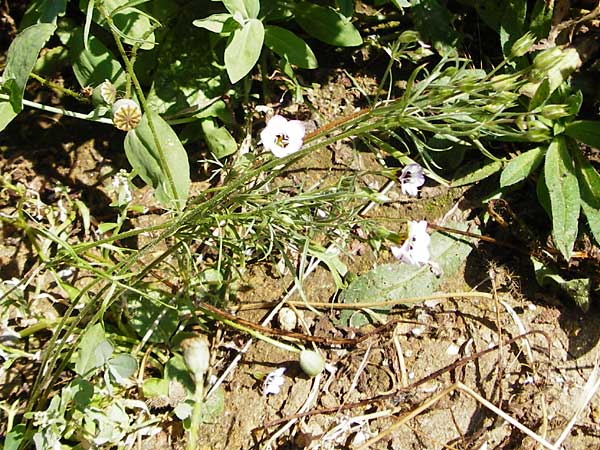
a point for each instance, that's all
(311, 363)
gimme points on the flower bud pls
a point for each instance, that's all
(555, 111)
(537, 135)
(126, 114)
(311, 362)
(522, 45)
(105, 93)
(547, 59)
(196, 356)
(408, 37)
(504, 82)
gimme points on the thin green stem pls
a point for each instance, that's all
(64, 112)
(59, 88)
(142, 99)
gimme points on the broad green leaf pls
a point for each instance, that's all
(398, 281)
(244, 49)
(477, 173)
(589, 187)
(7, 114)
(220, 142)
(213, 406)
(577, 289)
(15, 437)
(522, 166)
(132, 24)
(96, 64)
(434, 23)
(155, 387)
(326, 25)
(541, 18)
(152, 315)
(43, 11)
(176, 370)
(512, 24)
(178, 87)
(289, 46)
(20, 59)
(82, 392)
(564, 195)
(213, 23)
(94, 350)
(249, 9)
(52, 61)
(346, 7)
(143, 155)
(586, 131)
(122, 366)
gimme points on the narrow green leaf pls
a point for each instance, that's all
(564, 195)
(244, 49)
(94, 350)
(220, 142)
(326, 25)
(20, 59)
(478, 173)
(586, 131)
(522, 166)
(144, 157)
(289, 46)
(589, 186)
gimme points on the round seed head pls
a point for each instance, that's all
(127, 114)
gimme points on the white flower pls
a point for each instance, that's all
(282, 137)
(411, 179)
(415, 249)
(273, 382)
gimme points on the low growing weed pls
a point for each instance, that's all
(109, 349)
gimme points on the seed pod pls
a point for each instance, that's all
(126, 114)
(105, 93)
(311, 362)
(196, 356)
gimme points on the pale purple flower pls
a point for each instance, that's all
(273, 382)
(415, 249)
(282, 137)
(411, 179)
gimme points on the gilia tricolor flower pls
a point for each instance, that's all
(411, 179)
(415, 249)
(282, 137)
